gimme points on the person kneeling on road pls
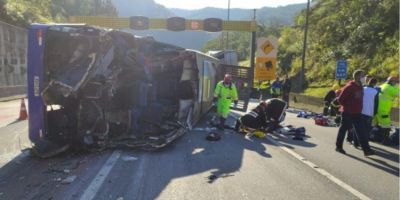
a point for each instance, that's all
(266, 116)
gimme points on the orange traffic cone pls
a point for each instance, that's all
(23, 115)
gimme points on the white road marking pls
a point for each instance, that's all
(319, 170)
(138, 178)
(95, 185)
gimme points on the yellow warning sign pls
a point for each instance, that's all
(267, 47)
(265, 69)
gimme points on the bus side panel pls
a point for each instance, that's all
(36, 44)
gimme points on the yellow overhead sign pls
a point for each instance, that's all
(190, 24)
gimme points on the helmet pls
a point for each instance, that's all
(227, 78)
(393, 79)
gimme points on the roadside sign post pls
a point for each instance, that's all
(267, 50)
(341, 70)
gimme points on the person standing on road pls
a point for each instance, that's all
(389, 91)
(225, 92)
(370, 105)
(351, 101)
(276, 88)
(287, 84)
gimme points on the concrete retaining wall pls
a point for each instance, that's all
(316, 104)
(8, 91)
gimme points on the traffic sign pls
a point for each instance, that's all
(267, 47)
(141, 23)
(213, 25)
(341, 69)
(176, 24)
(265, 69)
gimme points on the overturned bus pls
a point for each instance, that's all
(94, 88)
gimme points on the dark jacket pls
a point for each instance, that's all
(351, 98)
(255, 119)
(330, 96)
(286, 86)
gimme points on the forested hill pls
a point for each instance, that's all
(265, 15)
(364, 32)
(24, 12)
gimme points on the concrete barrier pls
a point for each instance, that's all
(8, 91)
(13, 55)
(316, 104)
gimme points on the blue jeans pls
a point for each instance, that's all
(349, 121)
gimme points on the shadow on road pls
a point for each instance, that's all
(386, 154)
(382, 165)
(14, 122)
(190, 155)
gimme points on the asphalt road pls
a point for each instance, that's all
(193, 168)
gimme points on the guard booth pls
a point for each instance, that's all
(241, 78)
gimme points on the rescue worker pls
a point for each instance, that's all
(286, 86)
(255, 119)
(329, 98)
(225, 92)
(389, 91)
(267, 115)
(334, 106)
(351, 100)
(276, 88)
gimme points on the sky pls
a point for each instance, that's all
(249, 4)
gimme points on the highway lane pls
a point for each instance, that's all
(239, 168)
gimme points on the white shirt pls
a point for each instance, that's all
(369, 101)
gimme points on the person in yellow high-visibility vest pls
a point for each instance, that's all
(276, 88)
(225, 92)
(389, 91)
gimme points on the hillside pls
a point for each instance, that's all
(266, 15)
(149, 8)
(22, 13)
(363, 32)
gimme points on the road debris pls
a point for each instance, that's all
(69, 179)
(129, 158)
(213, 136)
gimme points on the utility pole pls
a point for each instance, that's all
(252, 52)
(303, 57)
(227, 32)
